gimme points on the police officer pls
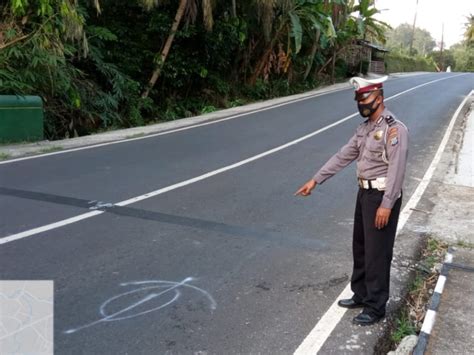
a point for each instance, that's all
(380, 147)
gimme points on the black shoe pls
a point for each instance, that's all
(349, 303)
(366, 319)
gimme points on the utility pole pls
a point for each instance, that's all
(441, 64)
(234, 8)
(413, 29)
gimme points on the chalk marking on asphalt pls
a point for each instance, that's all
(289, 102)
(323, 329)
(156, 284)
(58, 224)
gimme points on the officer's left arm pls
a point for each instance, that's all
(397, 149)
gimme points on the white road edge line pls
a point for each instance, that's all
(191, 126)
(64, 222)
(320, 333)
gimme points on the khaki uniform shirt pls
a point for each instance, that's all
(380, 148)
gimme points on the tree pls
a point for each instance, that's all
(443, 60)
(469, 33)
(368, 26)
(188, 6)
(101, 64)
(37, 40)
(286, 25)
(463, 57)
(399, 39)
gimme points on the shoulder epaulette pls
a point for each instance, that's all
(390, 120)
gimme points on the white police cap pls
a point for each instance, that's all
(366, 86)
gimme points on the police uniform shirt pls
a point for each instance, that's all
(380, 148)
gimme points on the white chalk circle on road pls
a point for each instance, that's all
(165, 292)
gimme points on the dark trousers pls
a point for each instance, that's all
(372, 250)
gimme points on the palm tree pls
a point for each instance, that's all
(186, 8)
(325, 30)
(367, 25)
(469, 33)
(284, 24)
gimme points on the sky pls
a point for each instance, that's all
(431, 15)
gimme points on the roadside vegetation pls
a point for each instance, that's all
(415, 305)
(101, 64)
(414, 49)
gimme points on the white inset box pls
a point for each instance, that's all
(26, 317)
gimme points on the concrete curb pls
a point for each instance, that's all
(31, 149)
(60, 146)
(430, 317)
(412, 73)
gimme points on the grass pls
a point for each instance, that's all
(208, 109)
(4, 156)
(464, 244)
(430, 261)
(416, 284)
(5, 142)
(411, 314)
(433, 245)
(403, 328)
(236, 103)
(136, 135)
(51, 149)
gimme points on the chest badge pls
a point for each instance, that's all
(378, 135)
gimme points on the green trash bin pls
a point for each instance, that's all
(21, 118)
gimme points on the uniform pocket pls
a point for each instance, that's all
(374, 149)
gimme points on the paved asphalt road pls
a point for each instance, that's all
(230, 264)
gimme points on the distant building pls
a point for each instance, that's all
(362, 56)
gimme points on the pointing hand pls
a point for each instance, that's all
(305, 190)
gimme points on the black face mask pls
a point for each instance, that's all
(366, 110)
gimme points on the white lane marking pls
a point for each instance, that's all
(191, 126)
(232, 166)
(318, 336)
(440, 284)
(429, 321)
(48, 227)
(415, 198)
(289, 102)
(31, 232)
